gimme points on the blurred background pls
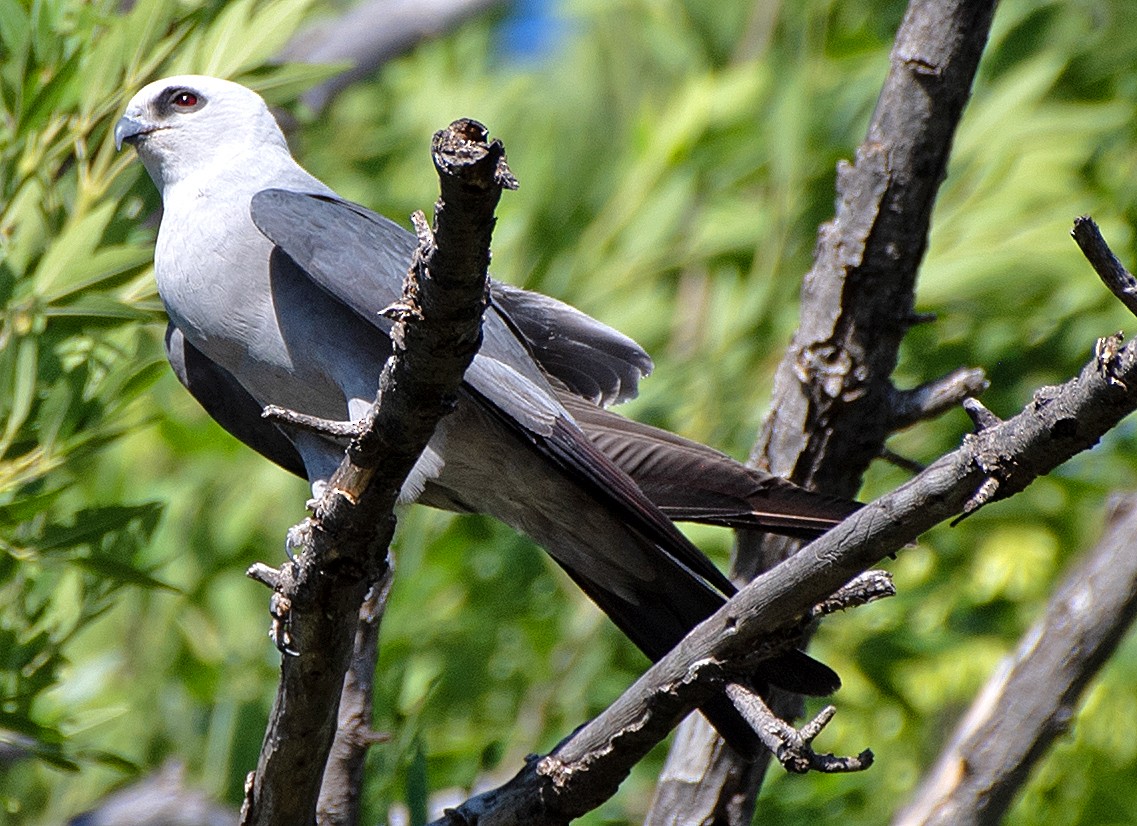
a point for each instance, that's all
(675, 159)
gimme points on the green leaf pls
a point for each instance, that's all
(245, 35)
(104, 269)
(73, 247)
(22, 389)
(90, 525)
(108, 567)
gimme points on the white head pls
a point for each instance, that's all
(181, 125)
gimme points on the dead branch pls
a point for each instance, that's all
(1032, 697)
(833, 403)
(343, 777)
(1111, 271)
(587, 767)
(372, 33)
(343, 546)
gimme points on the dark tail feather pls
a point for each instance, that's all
(656, 629)
(691, 482)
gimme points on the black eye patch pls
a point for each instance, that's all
(180, 100)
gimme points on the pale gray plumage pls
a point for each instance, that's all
(274, 284)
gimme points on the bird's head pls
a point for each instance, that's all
(188, 123)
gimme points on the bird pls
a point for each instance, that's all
(274, 287)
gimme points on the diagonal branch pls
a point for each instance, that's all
(343, 546)
(833, 403)
(373, 32)
(586, 768)
(1109, 269)
(1032, 697)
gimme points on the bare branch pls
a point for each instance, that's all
(586, 768)
(343, 776)
(902, 462)
(832, 404)
(311, 424)
(935, 397)
(981, 417)
(1032, 697)
(861, 590)
(343, 546)
(1112, 272)
(793, 747)
(160, 798)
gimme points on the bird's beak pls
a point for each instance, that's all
(127, 128)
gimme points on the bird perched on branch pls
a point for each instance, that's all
(274, 286)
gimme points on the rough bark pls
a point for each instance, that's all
(343, 776)
(343, 546)
(833, 402)
(997, 462)
(1032, 697)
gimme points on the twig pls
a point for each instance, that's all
(793, 747)
(586, 768)
(343, 546)
(312, 424)
(860, 590)
(902, 462)
(832, 404)
(1032, 697)
(935, 397)
(1112, 272)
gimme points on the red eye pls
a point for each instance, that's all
(184, 100)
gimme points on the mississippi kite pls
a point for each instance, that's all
(273, 285)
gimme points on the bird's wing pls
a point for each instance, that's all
(228, 402)
(346, 250)
(327, 236)
(591, 359)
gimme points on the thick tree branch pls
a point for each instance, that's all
(586, 768)
(833, 402)
(343, 776)
(831, 409)
(343, 546)
(1032, 697)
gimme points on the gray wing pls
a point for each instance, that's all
(591, 359)
(229, 403)
(344, 249)
(360, 257)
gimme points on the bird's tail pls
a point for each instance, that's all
(691, 482)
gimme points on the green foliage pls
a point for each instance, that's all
(675, 158)
(78, 348)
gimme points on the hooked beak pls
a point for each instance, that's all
(127, 129)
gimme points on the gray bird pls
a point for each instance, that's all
(274, 286)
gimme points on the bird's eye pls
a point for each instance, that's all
(184, 101)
